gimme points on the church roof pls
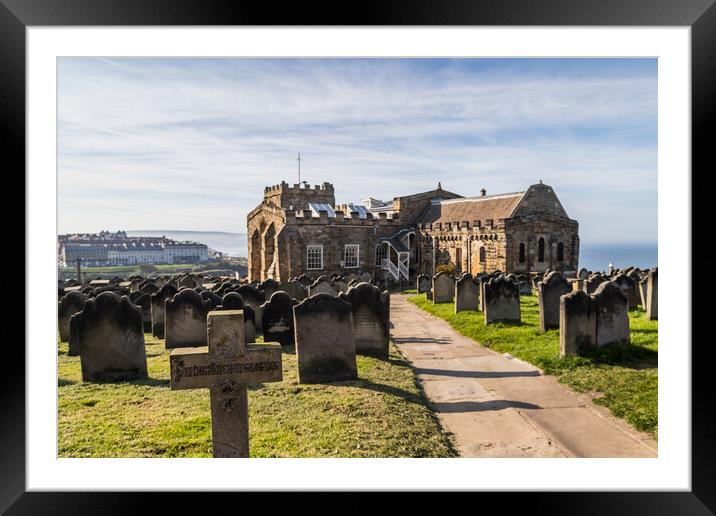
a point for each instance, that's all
(470, 209)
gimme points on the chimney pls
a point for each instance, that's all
(483, 192)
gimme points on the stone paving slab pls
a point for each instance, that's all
(496, 405)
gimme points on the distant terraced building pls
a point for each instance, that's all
(300, 229)
(106, 248)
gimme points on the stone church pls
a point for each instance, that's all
(300, 229)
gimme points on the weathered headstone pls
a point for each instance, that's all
(443, 288)
(109, 334)
(293, 289)
(550, 290)
(322, 286)
(234, 301)
(502, 300)
(213, 298)
(643, 285)
(305, 280)
(652, 295)
(268, 287)
(158, 300)
(423, 283)
(577, 323)
(225, 367)
(277, 319)
(467, 294)
(253, 298)
(69, 305)
(325, 345)
(371, 319)
(593, 282)
(630, 289)
(365, 277)
(340, 285)
(144, 302)
(185, 319)
(612, 316)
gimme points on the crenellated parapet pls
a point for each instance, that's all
(307, 218)
(299, 196)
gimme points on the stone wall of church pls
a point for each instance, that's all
(333, 235)
(554, 231)
(470, 249)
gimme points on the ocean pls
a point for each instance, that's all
(595, 257)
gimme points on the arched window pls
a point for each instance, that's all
(482, 254)
(540, 250)
(522, 253)
(560, 252)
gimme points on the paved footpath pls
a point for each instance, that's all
(496, 405)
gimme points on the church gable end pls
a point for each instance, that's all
(540, 198)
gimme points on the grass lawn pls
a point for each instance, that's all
(621, 378)
(382, 414)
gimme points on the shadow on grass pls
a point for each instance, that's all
(151, 382)
(410, 397)
(625, 355)
(61, 382)
(481, 406)
(476, 374)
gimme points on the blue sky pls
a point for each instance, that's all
(189, 144)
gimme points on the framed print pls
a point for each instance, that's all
(417, 249)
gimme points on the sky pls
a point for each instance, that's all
(190, 144)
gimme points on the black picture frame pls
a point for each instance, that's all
(700, 15)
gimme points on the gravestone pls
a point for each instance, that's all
(268, 287)
(443, 288)
(629, 288)
(593, 282)
(467, 294)
(234, 301)
(612, 316)
(322, 286)
(423, 283)
(186, 281)
(185, 319)
(226, 367)
(157, 301)
(502, 300)
(211, 297)
(69, 305)
(305, 280)
(277, 319)
(550, 290)
(293, 289)
(577, 323)
(371, 319)
(340, 285)
(144, 301)
(108, 332)
(253, 298)
(583, 274)
(652, 295)
(643, 285)
(325, 345)
(365, 277)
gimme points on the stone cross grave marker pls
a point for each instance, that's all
(225, 367)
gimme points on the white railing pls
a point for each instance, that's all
(403, 271)
(390, 266)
